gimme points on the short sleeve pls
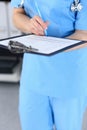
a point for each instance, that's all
(17, 3)
(81, 19)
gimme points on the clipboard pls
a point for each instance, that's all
(42, 45)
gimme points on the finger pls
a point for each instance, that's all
(36, 32)
(36, 27)
(41, 22)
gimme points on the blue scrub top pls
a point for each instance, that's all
(63, 75)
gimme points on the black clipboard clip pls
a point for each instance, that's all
(17, 47)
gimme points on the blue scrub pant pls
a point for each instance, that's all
(39, 112)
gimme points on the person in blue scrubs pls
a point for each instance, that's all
(53, 89)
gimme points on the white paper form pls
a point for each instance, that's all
(44, 44)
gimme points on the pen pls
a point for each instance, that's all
(45, 31)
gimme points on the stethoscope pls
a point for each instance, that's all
(76, 6)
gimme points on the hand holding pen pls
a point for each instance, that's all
(31, 25)
(39, 13)
(38, 26)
